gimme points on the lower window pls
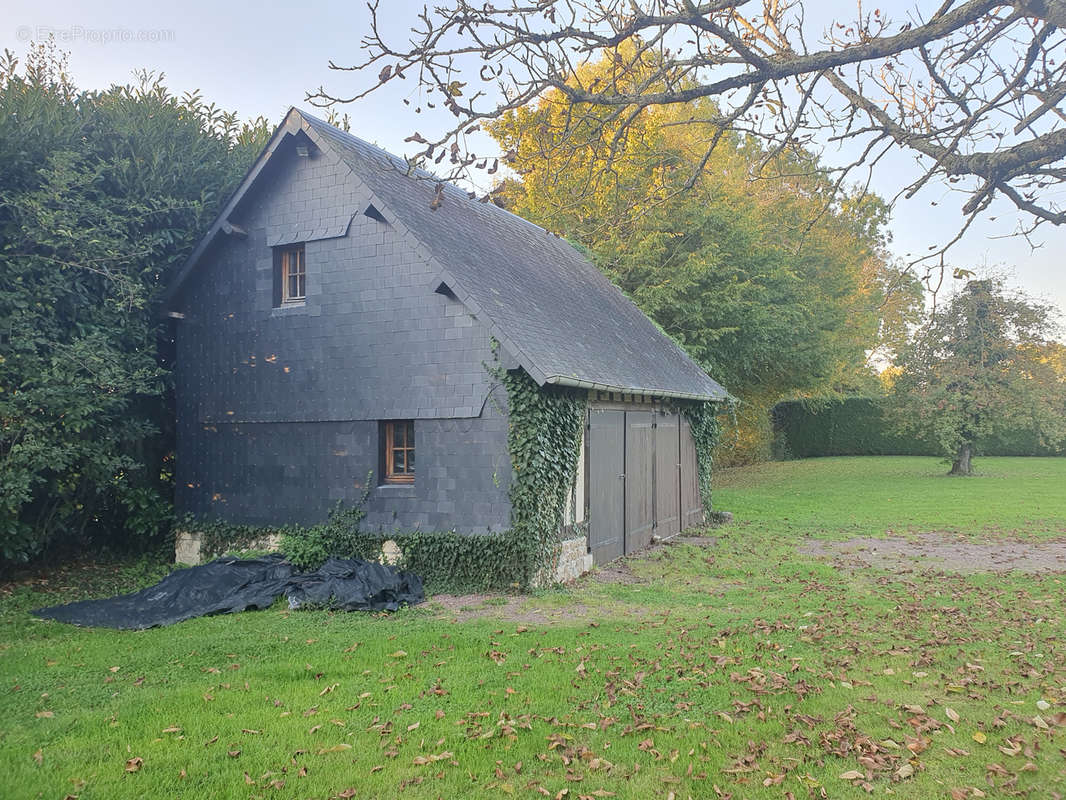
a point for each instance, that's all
(398, 456)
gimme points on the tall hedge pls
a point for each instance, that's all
(102, 194)
(857, 426)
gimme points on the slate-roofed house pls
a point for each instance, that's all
(335, 321)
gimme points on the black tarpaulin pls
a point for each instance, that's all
(228, 585)
(353, 585)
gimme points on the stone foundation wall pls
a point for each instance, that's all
(574, 561)
(188, 547)
(574, 558)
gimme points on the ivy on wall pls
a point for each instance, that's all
(706, 432)
(544, 441)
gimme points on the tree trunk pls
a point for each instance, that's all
(961, 465)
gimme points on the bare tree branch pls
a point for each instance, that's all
(973, 88)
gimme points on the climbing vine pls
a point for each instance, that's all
(706, 431)
(544, 441)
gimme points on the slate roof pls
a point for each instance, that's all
(549, 306)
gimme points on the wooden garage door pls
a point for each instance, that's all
(642, 480)
(606, 460)
(639, 486)
(667, 475)
(691, 508)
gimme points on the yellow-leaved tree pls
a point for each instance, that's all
(779, 287)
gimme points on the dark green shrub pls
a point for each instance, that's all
(339, 536)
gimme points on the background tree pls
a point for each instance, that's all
(101, 194)
(777, 288)
(982, 366)
(973, 89)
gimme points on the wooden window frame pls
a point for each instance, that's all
(284, 273)
(406, 443)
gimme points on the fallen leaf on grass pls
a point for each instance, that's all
(172, 729)
(337, 748)
(39, 757)
(421, 761)
(398, 654)
(45, 714)
(951, 714)
(134, 764)
(905, 771)
(980, 737)
(852, 775)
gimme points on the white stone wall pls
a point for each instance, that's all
(188, 546)
(574, 560)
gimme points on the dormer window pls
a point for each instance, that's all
(290, 275)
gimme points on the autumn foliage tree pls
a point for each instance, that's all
(776, 287)
(983, 365)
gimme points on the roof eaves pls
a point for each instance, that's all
(577, 383)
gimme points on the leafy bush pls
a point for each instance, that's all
(454, 562)
(101, 195)
(339, 537)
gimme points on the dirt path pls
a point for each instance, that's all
(944, 551)
(524, 609)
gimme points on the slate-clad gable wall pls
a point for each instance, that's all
(278, 409)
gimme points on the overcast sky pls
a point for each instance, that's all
(260, 59)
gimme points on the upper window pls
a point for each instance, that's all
(399, 455)
(290, 275)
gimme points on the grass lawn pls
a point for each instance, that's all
(741, 669)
